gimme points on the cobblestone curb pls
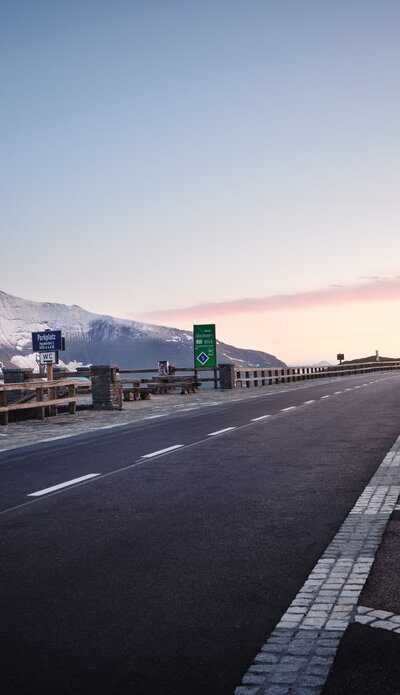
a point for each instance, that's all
(297, 657)
(375, 618)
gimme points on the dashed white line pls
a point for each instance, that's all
(161, 451)
(308, 402)
(227, 429)
(262, 417)
(337, 393)
(46, 490)
(328, 396)
(349, 389)
(291, 407)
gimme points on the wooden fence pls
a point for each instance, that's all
(247, 376)
(41, 396)
(259, 376)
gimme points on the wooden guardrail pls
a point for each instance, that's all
(257, 376)
(250, 376)
(41, 395)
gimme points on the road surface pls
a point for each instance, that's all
(170, 557)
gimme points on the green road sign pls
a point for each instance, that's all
(205, 347)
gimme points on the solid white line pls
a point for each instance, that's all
(292, 407)
(227, 429)
(61, 485)
(308, 402)
(161, 451)
(262, 417)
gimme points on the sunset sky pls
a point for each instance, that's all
(234, 162)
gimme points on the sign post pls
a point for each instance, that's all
(205, 346)
(47, 344)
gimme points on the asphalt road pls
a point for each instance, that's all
(167, 571)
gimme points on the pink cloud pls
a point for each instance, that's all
(376, 291)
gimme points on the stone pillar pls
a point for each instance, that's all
(16, 375)
(105, 387)
(226, 376)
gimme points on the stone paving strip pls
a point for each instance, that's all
(374, 618)
(28, 432)
(297, 657)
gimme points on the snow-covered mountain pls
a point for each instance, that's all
(97, 339)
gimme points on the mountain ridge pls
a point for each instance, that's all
(102, 339)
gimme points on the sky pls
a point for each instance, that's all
(231, 161)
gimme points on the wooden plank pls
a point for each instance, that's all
(32, 385)
(38, 404)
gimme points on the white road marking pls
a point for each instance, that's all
(46, 490)
(161, 451)
(357, 387)
(328, 396)
(291, 407)
(227, 429)
(308, 402)
(337, 393)
(348, 389)
(262, 417)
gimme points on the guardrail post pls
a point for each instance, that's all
(106, 387)
(227, 376)
(16, 375)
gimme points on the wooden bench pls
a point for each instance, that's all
(187, 384)
(132, 389)
(45, 393)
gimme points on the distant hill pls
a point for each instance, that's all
(97, 339)
(372, 358)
